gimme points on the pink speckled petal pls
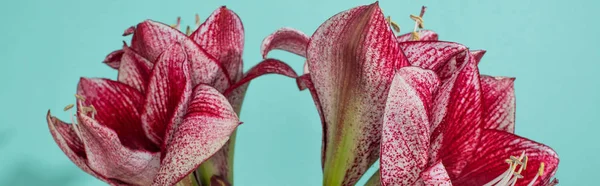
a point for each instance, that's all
(222, 36)
(431, 54)
(113, 60)
(497, 146)
(498, 103)
(424, 35)
(209, 122)
(352, 58)
(435, 175)
(107, 156)
(118, 107)
(168, 92)
(151, 39)
(405, 135)
(457, 116)
(286, 39)
(134, 70)
(478, 54)
(267, 66)
(68, 141)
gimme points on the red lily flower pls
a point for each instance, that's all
(415, 152)
(216, 54)
(351, 62)
(213, 57)
(116, 141)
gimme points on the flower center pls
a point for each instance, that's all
(418, 23)
(188, 30)
(515, 166)
(84, 110)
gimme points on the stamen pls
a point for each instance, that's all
(393, 24)
(188, 31)
(79, 97)
(541, 169)
(68, 107)
(176, 25)
(418, 19)
(197, 20)
(418, 23)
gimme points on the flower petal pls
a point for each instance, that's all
(457, 117)
(497, 146)
(151, 38)
(118, 107)
(477, 54)
(431, 54)
(113, 60)
(352, 58)
(69, 142)
(107, 156)
(222, 36)
(134, 70)
(498, 103)
(286, 39)
(305, 82)
(168, 92)
(424, 35)
(405, 135)
(267, 66)
(206, 127)
(436, 175)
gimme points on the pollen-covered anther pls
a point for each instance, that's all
(68, 107)
(188, 30)
(79, 97)
(418, 20)
(197, 20)
(176, 25)
(392, 24)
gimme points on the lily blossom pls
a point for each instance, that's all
(124, 136)
(351, 60)
(214, 50)
(411, 155)
(464, 111)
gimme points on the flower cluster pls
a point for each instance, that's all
(418, 104)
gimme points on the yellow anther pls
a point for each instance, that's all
(197, 20)
(417, 19)
(188, 31)
(541, 169)
(79, 97)
(393, 24)
(176, 25)
(69, 106)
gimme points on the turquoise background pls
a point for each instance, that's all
(552, 47)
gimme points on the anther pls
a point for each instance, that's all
(176, 25)
(69, 106)
(79, 97)
(393, 24)
(188, 31)
(197, 20)
(418, 20)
